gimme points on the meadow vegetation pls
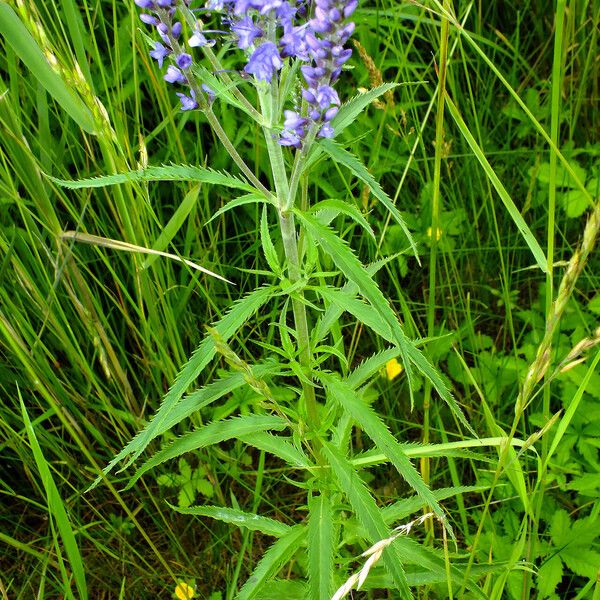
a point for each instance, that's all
(499, 188)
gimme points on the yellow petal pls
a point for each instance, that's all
(393, 368)
(183, 591)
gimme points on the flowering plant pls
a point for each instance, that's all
(308, 400)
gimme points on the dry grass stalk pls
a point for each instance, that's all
(373, 554)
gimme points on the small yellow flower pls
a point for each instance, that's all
(393, 368)
(183, 591)
(438, 233)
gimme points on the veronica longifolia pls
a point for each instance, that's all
(313, 32)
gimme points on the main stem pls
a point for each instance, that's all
(268, 100)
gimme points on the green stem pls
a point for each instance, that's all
(290, 245)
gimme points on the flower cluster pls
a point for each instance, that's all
(162, 16)
(269, 31)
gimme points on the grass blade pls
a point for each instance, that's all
(513, 211)
(57, 508)
(26, 48)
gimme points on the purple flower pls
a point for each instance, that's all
(174, 75)
(184, 61)
(176, 29)
(246, 32)
(263, 63)
(188, 102)
(149, 19)
(159, 53)
(144, 3)
(197, 40)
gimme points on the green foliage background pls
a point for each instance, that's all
(91, 337)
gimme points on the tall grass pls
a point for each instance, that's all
(494, 126)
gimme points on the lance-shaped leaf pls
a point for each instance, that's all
(272, 562)
(226, 327)
(250, 521)
(320, 547)
(353, 269)
(369, 515)
(213, 433)
(373, 426)
(351, 162)
(185, 173)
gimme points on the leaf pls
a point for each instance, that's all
(565, 421)
(368, 514)
(226, 328)
(278, 446)
(320, 547)
(246, 199)
(351, 162)
(96, 240)
(364, 312)
(353, 270)
(239, 518)
(562, 178)
(368, 420)
(213, 433)
(351, 109)
(272, 562)
(333, 312)
(370, 366)
(336, 206)
(174, 224)
(25, 47)
(581, 560)
(549, 576)
(159, 173)
(513, 211)
(56, 506)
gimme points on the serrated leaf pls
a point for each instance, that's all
(368, 420)
(185, 173)
(320, 547)
(351, 162)
(364, 312)
(351, 109)
(239, 518)
(213, 433)
(333, 312)
(272, 562)
(336, 207)
(581, 560)
(226, 328)
(241, 201)
(278, 446)
(352, 268)
(25, 47)
(371, 366)
(549, 576)
(368, 514)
